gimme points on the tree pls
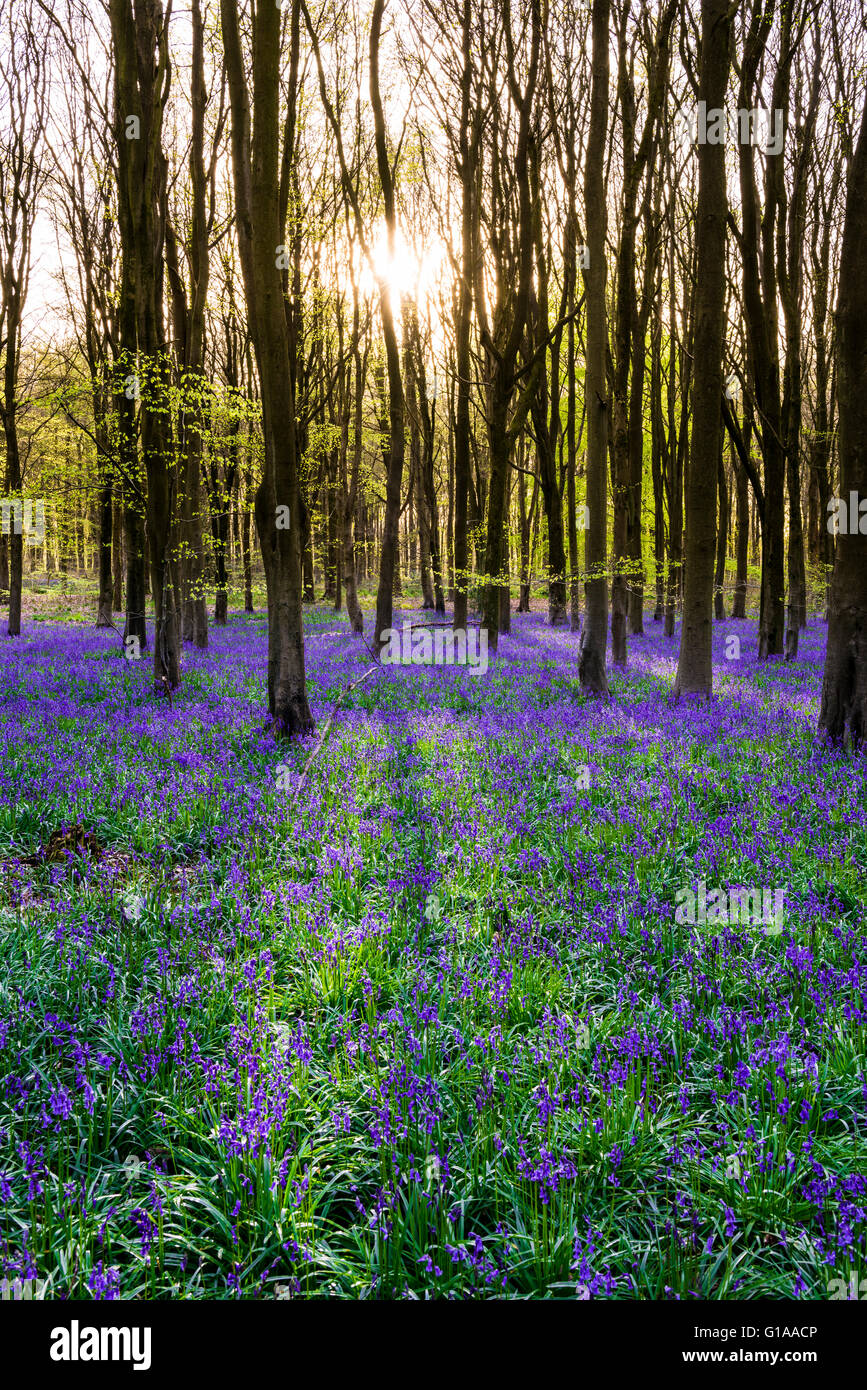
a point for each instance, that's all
(629, 326)
(396, 403)
(568, 96)
(694, 667)
(188, 308)
(758, 242)
(508, 218)
(23, 111)
(389, 577)
(790, 254)
(83, 202)
(255, 162)
(545, 341)
(843, 715)
(139, 31)
(356, 373)
(594, 637)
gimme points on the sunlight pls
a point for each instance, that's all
(406, 273)
(402, 271)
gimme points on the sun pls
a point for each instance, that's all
(409, 273)
(402, 270)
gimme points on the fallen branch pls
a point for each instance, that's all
(324, 734)
(435, 622)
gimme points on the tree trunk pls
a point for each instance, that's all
(389, 559)
(140, 47)
(104, 614)
(722, 534)
(760, 296)
(350, 492)
(498, 445)
(16, 538)
(255, 168)
(739, 605)
(117, 558)
(247, 557)
(694, 668)
(657, 446)
(591, 667)
(463, 313)
(843, 715)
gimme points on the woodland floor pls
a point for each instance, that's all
(433, 1030)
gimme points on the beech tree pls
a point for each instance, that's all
(843, 715)
(594, 637)
(630, 322)
(139, 31)
(255, 126)
(694, 670)
(23, 114)
(189, 303)
(506, 215)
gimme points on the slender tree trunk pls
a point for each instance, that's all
(722, 533)
(389, 558)
(760, 296)
(247, 556)
(591, 668)
(843, 714)
(117, 558)
(657, 445)
(571, 472)
(133, 481)
(309, 570)
(255, 167)
(135, 624)
(676, 437)
(694, 668)
(140, 47)
(525, 516)
(104, 608)
(634, 527)
(222, 489)
(498, 444)
(462, 347)
(350, 492)
(739, 606)
(790, 256)
(16, 538)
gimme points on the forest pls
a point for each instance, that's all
(433, 662)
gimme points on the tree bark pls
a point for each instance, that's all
(721, 540)
(694, 668)
(255, 169)
(594, 637)
(742, 541)
(104, 615)
(389, 559)
(140, 46)
(843, 715)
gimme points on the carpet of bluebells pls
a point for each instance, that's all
(426, 1024)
